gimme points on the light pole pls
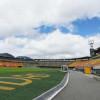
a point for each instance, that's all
(92, 51)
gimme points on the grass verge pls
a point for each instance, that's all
(30, 91)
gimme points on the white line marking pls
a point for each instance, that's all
(56, 92)
(51, 97)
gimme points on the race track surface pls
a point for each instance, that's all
(80, 87)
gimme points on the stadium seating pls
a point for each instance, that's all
(81, 63)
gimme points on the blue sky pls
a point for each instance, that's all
(87, 26)
(84, 27)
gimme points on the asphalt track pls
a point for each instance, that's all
(80, 87)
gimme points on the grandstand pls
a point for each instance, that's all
(93, 62)
(82, 63)
(8, 60)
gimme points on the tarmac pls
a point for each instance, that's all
(80, 87)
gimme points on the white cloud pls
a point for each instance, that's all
(96, 40)
(19, 16)
(53, 45)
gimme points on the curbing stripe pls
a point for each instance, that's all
(50, 94)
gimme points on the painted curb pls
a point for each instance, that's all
(50, 94)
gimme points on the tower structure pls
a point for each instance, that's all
(92, 50)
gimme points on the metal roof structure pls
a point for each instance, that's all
(24, 58)
(6, 56)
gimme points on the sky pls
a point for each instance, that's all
(49, 28)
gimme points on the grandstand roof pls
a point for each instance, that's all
(97, 50)
(6, 56)
(24, 58)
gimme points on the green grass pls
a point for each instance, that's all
(28, 92)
